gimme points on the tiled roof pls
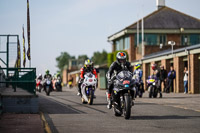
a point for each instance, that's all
(168, 18)
(169, 51)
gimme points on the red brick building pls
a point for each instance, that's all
(160, 27)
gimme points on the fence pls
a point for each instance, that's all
(20, 77)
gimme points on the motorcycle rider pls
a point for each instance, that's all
(117, 66)
(88, 67)
(39, 77)
(47, 74)
(137, 74)
(156, 71)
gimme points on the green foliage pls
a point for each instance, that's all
(99, 57)
(63, 60)
(83, 57)
(112, 56)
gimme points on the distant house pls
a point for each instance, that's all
(160, 27)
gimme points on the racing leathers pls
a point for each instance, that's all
(137, 74)
(83, 71)
(157, 74)
(114, 69)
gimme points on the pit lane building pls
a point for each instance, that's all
(164, 25)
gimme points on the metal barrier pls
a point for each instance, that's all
(20, 77)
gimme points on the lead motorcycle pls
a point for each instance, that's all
(88, 88)
(124, 93)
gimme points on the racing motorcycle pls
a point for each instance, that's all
(88, 88)
(124, 93)
(39, 85)
(152, 88)
(48, 85)
(58, 84)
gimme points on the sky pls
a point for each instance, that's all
(76, 26)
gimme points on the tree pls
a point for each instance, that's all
(63, 60)
(83, 57)
(99, 57)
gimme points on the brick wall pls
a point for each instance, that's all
(132, 51)
(179, 68)
(64, 76)
(174, 37)
(194, 74)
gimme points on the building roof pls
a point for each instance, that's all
(163, 18)
(168, 18)
(169, 51)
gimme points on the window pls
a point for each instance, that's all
(117, 45)
(127, 42)
(194, 39)
(162, 39)
(185, 40)
(150, 39)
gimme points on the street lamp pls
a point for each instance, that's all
(172, 43)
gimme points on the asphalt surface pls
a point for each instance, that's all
(65, 113)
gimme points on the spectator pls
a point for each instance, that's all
(156, 72)
(163, 77)
(185, 79)
(171, 76)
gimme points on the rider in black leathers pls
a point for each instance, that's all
(116, 67)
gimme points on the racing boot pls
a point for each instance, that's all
(108, 95)
(160, 95)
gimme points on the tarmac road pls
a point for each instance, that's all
(65, 113)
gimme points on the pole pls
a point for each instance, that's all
(7, 54)
(142, 37)
(138, 33)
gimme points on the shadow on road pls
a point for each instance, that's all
(161, 117)
(55, 107)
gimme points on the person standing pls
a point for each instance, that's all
(163, 77)
(185, 80)
(156, 72)
(171, 76)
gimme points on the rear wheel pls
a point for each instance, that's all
(127, 106)
(90, 98)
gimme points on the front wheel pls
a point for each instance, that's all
(90, 98)
(127, 106)
(48, 90)
(150, 91)
(155, 93)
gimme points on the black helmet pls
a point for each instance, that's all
(121, 58)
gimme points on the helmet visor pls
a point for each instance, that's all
(122, 61)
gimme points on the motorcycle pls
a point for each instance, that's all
(70, 84)
(124, 93)
(39, 85)
(48, 86)
(58, 84)
(152, 88)
(88, 88)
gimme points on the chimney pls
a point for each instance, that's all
(160, 4)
